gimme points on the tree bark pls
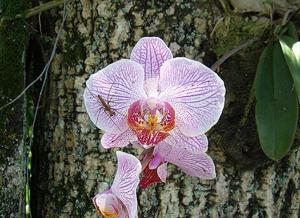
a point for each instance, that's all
(99, 32)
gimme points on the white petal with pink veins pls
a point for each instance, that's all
(197, 164)
(110, 91)
(195, 144)
(162, 150)
(118, 140)
(162, 172)
(195, 91)
(151, 53)
(126, 181)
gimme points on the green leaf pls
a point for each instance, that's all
(276, 108)
(292, 31)
(287, 29)
(296, 50)
(292, 60)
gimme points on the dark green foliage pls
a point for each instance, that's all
(292, 31)
(276, 108)
(13, 38)
(287, 41)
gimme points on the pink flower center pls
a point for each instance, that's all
(151, 120)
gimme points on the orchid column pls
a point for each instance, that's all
(160, 103)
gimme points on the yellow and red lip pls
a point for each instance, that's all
(151, 120)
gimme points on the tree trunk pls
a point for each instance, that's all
(99, 32)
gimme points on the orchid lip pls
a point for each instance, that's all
(151, 120)
(108, 205)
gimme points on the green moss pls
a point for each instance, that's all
(233, 31)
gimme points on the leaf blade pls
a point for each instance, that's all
(292, 31)
(291, 60)
(276, 109)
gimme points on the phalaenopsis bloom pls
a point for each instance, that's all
(120, 200)
(161, 103)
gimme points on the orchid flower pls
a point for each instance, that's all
(189, 156)
(120, 200)
(153, 97)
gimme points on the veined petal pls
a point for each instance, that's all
(110, 91)
(151, 53)
(196, 93)
(118, 140)
(194, 164)
(126, 181)
(162, 150)
(162, 172)
(155, 161)
(195, 144)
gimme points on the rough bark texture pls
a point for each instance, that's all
(99, 32)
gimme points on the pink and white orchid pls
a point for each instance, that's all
(189, 156)
(120, 200)
(154, 97)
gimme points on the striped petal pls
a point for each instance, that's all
(110, 91)
(162, 172)
(117, 140)
(194, 164)
(151, 53)
(196, 93)
(126, 181)
(195, 144)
